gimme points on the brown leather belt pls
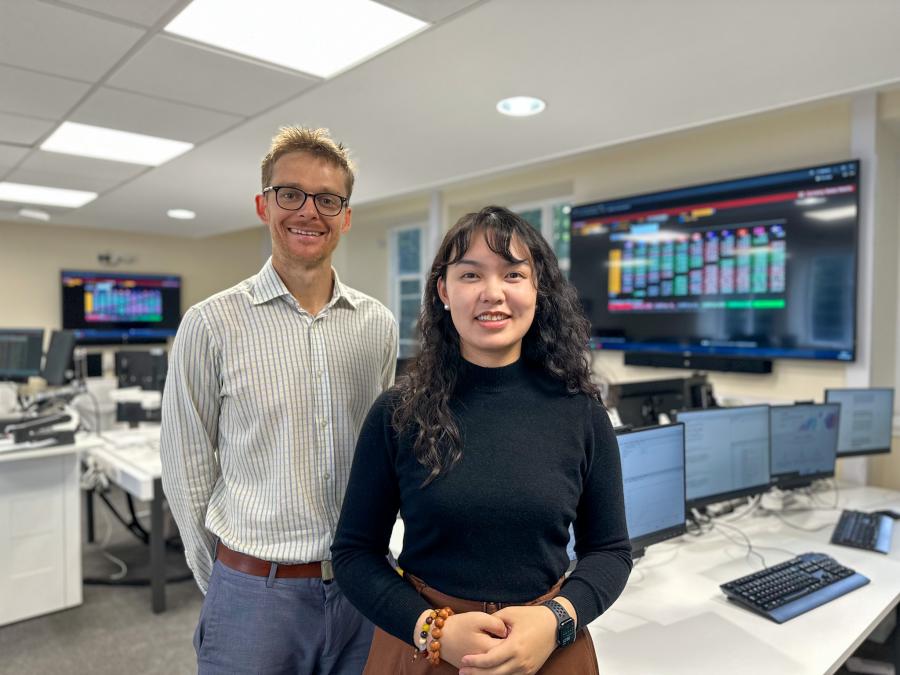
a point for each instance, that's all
(261, 568)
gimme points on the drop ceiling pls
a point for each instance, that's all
(418, 116)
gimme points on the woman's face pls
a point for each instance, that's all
(492, 302)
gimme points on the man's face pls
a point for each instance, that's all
(304, 236)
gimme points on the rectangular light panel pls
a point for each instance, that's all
(84, 140)
(46, 196)
(319, 37)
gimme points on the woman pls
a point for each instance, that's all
(489, 448)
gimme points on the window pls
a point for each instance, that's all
(407, 278)
(551, 219)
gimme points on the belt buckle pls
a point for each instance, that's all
(327, 571)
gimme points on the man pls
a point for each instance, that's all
(268, 386)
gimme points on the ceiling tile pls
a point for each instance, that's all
(60, 41)
(144, 12)
(27, 93)
(20, 129)
(142, 114)
(431, 11)
(10, 155)
(76, 173)
(187, 73)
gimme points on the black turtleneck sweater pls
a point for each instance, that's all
(494, 527)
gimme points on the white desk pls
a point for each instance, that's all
(673, 619)
(40, 531)
(130, 458)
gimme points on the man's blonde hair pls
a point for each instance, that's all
(316, 142)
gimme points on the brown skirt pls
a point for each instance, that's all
(390, 656)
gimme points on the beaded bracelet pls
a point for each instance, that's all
(433, 627)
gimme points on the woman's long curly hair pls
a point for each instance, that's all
(556, 341)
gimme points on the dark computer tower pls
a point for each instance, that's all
(144, 369)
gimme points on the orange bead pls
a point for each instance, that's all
(439, 622)
(444, 613)
(436, 633)
(435, 646)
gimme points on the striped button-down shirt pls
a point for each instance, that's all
(262, 407)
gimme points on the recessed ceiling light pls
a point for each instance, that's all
(521, 106)
(312, 36)
(47, 196)
(181, 214)
(34, 214)
(72, 138)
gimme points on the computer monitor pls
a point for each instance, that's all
(866, 420)
(20, 353)
(653, 479)
(804, 440)
(59, 357)
(144, 369)
(727, 453)
(640, 404)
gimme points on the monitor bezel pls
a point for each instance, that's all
(863, 453)
(792, 481)
(638, 544)
(733, 494)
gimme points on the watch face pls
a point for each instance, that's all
(565, 633)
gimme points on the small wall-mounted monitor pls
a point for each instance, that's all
(804, 440)
(20, 353)
(866, 420)
(115, 308)
(727, 451)
(654, 484)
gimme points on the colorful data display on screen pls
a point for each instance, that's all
(115, 307)
(763, 266)
(109, 300)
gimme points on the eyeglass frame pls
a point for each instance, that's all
(306, 195)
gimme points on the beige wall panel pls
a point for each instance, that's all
(32, 255)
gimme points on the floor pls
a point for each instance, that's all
(114, 631)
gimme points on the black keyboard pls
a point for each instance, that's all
(784, 591)
(869, 531)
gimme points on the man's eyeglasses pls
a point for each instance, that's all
(293, 198)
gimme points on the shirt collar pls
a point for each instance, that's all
(267, 285)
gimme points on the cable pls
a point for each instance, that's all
(749, 544)
(799, 527)
(752, 506)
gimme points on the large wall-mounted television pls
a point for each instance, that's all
(114, 308)
(760, 267)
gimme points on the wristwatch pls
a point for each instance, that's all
(565, 624)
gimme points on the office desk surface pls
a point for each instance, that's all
(673, 619)
(130, 457)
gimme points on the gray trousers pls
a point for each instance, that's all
(252, 624)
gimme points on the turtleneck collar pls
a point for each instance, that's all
(472, 376)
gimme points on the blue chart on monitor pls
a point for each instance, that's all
(804, 438)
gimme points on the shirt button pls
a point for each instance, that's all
(323, 422)
(327, 476)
